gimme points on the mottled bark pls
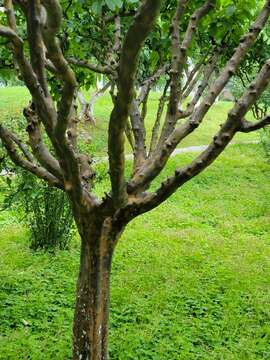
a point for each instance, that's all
(91, 320)
(134, 40)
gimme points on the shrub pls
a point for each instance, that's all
(49, 215)
(265, 140)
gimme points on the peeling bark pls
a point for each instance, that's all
(91, 320)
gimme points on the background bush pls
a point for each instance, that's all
(45, 210)
(259, 111)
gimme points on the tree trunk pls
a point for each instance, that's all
(90, 330)
(87, 108)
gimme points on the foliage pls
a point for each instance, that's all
(263, 103)
(230, 19)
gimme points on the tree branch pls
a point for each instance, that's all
(135, 37)
(44, 105)
(208, 71)
(192, 75)
(9, 140)
(148, 83)
(39, 149)
(54, 53)
(10, 14)
(247, 126)
(64, 149)
(138, 129)
(156, 127)
(233, 124)
(155, 165)
(36, 45)
(106, 70)
(179, 58)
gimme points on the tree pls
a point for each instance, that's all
(39, 57)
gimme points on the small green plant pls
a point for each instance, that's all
(265, 140)
(49, 216)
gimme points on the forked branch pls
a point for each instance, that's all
(135, 37)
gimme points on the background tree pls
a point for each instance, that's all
(246, 73)
(150, 42)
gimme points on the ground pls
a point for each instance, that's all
(190, 280)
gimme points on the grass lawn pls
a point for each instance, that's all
(191, 280)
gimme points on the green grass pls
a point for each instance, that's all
(190, 280)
